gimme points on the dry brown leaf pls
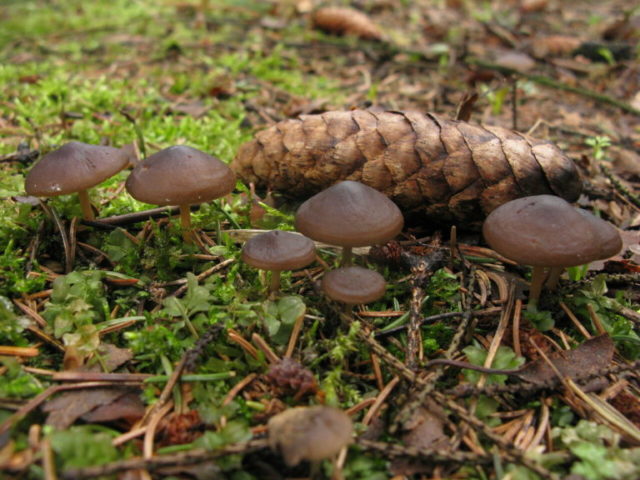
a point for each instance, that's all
(345, 21)
(590, 357)
(554, 45)
(128, 407)
(67, 407)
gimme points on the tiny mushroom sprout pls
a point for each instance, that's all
(277, 251)
(349, 214)
(182, 176)
(545, 231)
(74, 168)
(353, 285)
(309, 433)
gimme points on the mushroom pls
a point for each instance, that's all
(309, 433)
(74, 168)
(349, 214)
(182, 176)
(353, 285)
(545, 231)
(277, 251)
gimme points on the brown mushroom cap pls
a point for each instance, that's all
(278, 250)
(72, 168)
(353, 285)
(180, 175)
(309, 433)
(349, 214)
(546, 231)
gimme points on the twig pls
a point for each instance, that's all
(237, 388)
(382, 396)
(615, 181)
(549, 82)
(431, 455)
(159, 461)
(110, 223)
(442, 316)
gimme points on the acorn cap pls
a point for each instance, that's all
(279, 250)
(353, 285)
(72, 168)
(180, 175)
(546, 231)
(309, 433)
(349, 214)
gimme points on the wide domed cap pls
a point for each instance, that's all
(309, 433)
(547, 231)
(349, 214)
(180, 175)
(279, 250)
(353, 285)
(72, 168)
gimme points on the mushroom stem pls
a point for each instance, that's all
(346, 257)
(185, 223)
(85, 204)
(554, 277)
(537, 279)
(274, 283)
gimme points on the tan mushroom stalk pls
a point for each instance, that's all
(546, 232)
(349, 214)
(277, 251)
(353, 285)
(182, 176)
(74, 168)
(309, 433)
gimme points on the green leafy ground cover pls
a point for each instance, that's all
(112, 72)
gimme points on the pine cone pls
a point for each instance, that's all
(446, 170)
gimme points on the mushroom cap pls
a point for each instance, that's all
(309, 433)
(546, 231)
(73, 167)
(278, 250)
(349, 214)
(180, 175)
(353, 285)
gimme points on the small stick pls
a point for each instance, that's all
(19, 351)
(246, 346)
(237, 388)
(125, 437)
(295, 332)
(48, 461)
(264, 346)
(575, 320)
(517, 313)
(596, 320)
(150, 433)
(380, 399)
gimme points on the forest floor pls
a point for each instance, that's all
(128, 354)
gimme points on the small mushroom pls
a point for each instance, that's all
(349, 214)
(277, 251)
(545, 231)
(353, 285)
(182, 176)
(309, 433)
(74, 168)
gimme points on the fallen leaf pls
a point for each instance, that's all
(345, 21)
(67, 407)
(590, 357)
(128, 407)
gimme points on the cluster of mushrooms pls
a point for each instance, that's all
(543, 231)
(177, 175)
(348, 214)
